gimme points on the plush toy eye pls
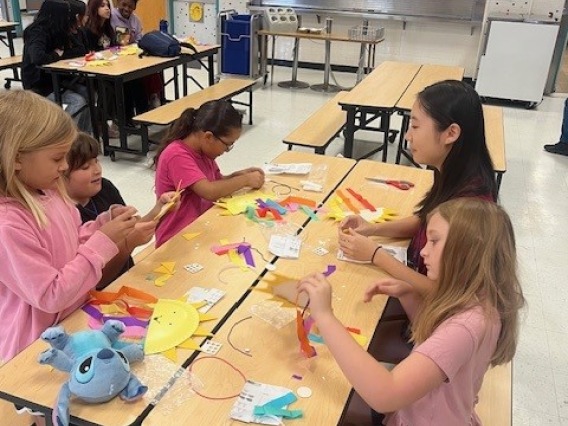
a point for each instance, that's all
(85, 371)
(124, 360)
(122, 356)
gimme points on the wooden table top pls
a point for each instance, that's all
(427, 75)
(275, 353)
(7, 25)
(25, 379)
(383, 87)
(323, 36)
(125, 64)
(495, 136)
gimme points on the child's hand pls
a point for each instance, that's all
(141, 234)
(255, 179)
(120, 225)
(356, 246)
(319, 292)
(388, 286)
(356, 223)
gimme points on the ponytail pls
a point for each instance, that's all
(180, 129)
(217, 117)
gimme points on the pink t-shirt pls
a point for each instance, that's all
(46, 272)
(179, 163)
(462, 347)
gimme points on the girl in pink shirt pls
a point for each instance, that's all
(467, 323)
(186, 160)
(49, 260)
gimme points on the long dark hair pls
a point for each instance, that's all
(218, 117)
(95, 23)
(55, 17)
(467, 169)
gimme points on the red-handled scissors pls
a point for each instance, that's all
(400, 184)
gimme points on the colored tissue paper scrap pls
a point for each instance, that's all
(191, 235)
(264, 404)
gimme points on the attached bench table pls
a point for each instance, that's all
(167, 114)
(320, 128)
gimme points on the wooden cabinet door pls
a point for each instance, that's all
(150, 12)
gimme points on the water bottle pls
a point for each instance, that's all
(163, 26)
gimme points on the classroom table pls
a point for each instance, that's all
(123, 69)
(327, 38)
(376, 96)
(24, 381)
(274, 353)
(427, 75)
(9, 28)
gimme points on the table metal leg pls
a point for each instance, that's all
(295, 83)
(10, 36)
(326, 87)
(121, 112)
(91, 99)
(361, 64)
(349, 133)
(272, 60)
(211, 70)
(56, 91)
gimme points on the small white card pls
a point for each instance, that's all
(253, 394)
(287, 246)
(321, 251)
(211, 347)
(291, 169)
(193, 268)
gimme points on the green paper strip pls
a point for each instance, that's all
(310, 213)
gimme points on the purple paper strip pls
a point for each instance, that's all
(330, 270)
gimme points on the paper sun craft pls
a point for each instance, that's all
(172, 324)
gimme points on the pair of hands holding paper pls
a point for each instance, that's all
(126, 226)
(353, 238)
(319, 292)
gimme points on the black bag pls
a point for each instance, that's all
(157, 43)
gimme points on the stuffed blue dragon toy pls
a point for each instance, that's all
(98, 363)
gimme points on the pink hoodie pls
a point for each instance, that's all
(45, 274)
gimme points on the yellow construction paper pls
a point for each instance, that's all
(359, 338)
(98, 63)
(191, 235)
(238, 204)
(128, 50)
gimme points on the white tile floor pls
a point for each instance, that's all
(534, 192)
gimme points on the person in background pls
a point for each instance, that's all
(48, 39)
(94, 195)
(186, 160)
(128, 29)
(561, 147)
(468, 322)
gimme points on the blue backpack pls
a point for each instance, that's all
(157, 43)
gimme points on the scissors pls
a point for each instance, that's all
(404, 185)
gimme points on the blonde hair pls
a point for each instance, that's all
(29, 123)
(478, 267)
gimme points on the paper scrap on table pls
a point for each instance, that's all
(287, 246)
(166, 268)
(290, 168)
(208, 295)
(256, 394)
(191, 235)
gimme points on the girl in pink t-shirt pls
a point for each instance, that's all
(49, 260)
(469, 321)
(186, 160)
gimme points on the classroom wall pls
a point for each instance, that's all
(448, 43)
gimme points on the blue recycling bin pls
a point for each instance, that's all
(236, 33)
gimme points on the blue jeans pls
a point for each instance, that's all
(77, 106)
(564, 131)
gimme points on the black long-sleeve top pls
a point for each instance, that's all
(39, 49)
